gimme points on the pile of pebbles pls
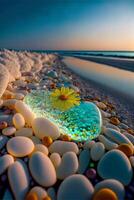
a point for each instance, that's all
(38, 162)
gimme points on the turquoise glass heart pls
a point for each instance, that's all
(81, 122)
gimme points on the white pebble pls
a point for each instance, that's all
(20, 146)
(22, 108)
(62, 147)
(42, 169)
(26, 132)
(97, 151)
(44, 127)
(9, 131)
(18, 121)
(56, 159)
(109, 145)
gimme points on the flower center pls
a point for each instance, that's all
(63, 97)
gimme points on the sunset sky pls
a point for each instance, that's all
(67, 24)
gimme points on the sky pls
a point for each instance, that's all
(67, 24)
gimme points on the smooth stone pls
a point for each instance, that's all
(23, 109)
(68, 166)
(117, 136)
(44, 127)
(75, 187)
(105, 193)
(107, 167)
(42, 148)
(3, 141)
(62, 147)
(55, 159)
(18, 180)
(8, 131)
(5, 162)
(26, 132)
(109, 145)
(114, 185)
(113, 127)
(81, 122)
(127, 149)
(18, 96)
(18, 121)
(44, 174)
(39, 191)
(97, 151)
(20, 146)
(84, 159)
(105, 114)
(123, 126)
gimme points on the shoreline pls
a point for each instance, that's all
(121, 63)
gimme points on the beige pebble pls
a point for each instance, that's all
(18, 180)
(9, 131)
(18, 121)
(62, 147)
(43, 127)
(20, 146)
(28, 115)
(5, 162)
(56, 159)
(42, 148)
(26, 132)
(42, 169)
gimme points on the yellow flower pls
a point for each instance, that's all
(64, 98)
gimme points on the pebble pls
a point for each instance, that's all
(3, 141)
(109, 145)
(9, 131)
(115, 121)
(56, 159)
(107, 167)
(117, 136)
(68, 166)
(44, 127)
(41, 148)
(123, 126)
(101, 105)
(105, 193)
(114, 185)
(84, 159)
(26, 132)
(18, 180)
(91, 173)
(127, 149)
(38, 191)
(18, 96)
(20, 146)
(5, 162)
(44, 174)
(75, 187)
(97, 151)
(113, 127)
(25, 111)
(62, 147)
(18, 121)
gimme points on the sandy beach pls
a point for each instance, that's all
(37, 156)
